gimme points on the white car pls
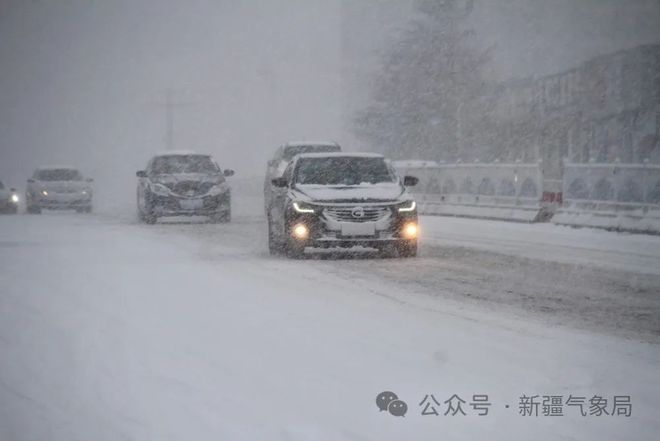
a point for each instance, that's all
(8, 200)
(342, 200)
(58, 188)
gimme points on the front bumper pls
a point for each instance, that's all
(181, 206)
(8, 206)
(329, 233)
(62, 201)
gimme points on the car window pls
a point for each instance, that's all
(59, 174)
(343, 171)
(292, 151)
(183, 164)
(288, 172)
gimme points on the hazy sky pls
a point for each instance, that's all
(549, 36)
(82, 81)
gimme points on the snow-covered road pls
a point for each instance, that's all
(112, 330)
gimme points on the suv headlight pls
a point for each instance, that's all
(14, 198)
(301, 207)
(160, 189)
(218, 189)
(407, 207)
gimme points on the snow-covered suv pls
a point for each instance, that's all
(183, 184)
(284, 154)
(58, 188)
(342, 200)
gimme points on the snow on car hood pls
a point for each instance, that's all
(364, 192)
(182, 177)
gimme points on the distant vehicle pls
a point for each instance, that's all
(284, 154)
(183, 184)
(8, 200)
(58, 188)
(342, 200)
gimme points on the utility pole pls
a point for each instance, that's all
(171, 104)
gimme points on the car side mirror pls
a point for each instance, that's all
(89, 180)
(141, 174)
(13, 190)
(410, 181)
(279, 182)
(31, 181)
(228, 172)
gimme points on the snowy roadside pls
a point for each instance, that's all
(114, 331)
(581, 278)
(636, 253)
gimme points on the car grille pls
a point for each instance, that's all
(63, 190)
(190, 188)
(352, 214)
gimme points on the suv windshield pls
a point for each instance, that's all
(59, 174)
(291, 151)
(165, 165)
(343, 171)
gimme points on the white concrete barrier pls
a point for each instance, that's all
(614, 196)
(508, 191)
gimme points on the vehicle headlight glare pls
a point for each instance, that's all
(300, 231)
(410, 230)
(411, 206)
(44, 192)
(302, 208)
(14, 198)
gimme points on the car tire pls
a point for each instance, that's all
(407, 249)
(150, 219)
(275, 247)
(147, 217)
(221, 218)
(294, 250)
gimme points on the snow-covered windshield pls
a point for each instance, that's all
(343, 171)
(291, 151)
(59, 174)
(166, 165)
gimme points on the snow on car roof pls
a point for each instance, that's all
(340, 155)
(180, 153)
(57, 167)
(304, 143)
